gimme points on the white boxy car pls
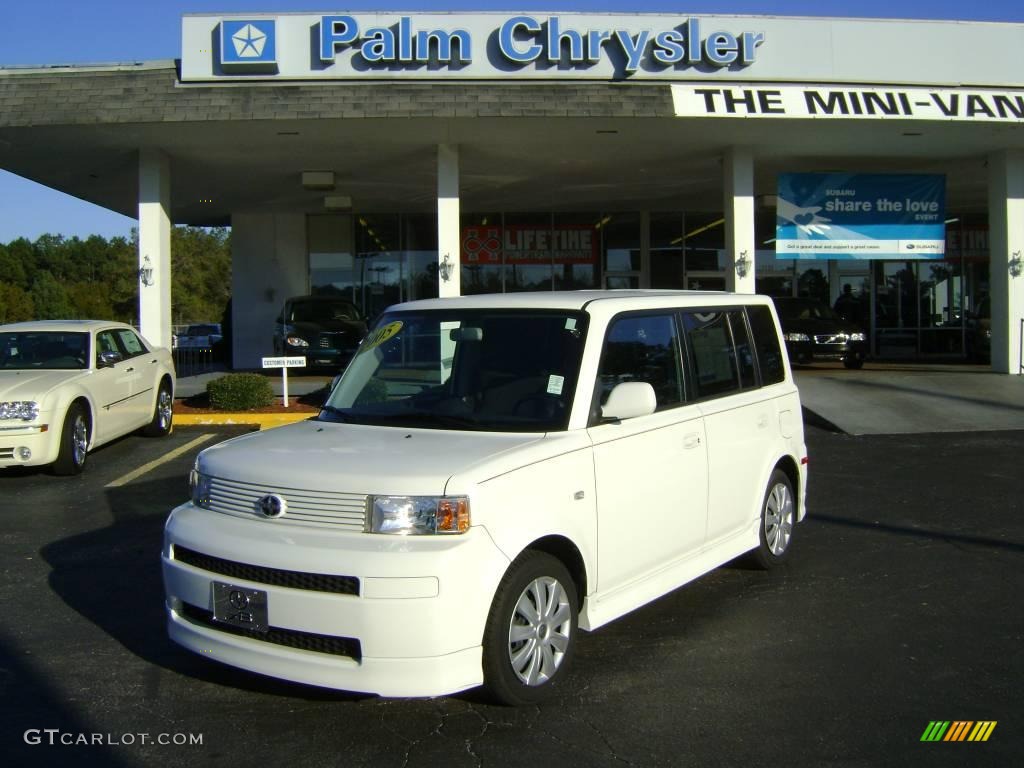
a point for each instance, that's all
(490, 475)
(68, 386)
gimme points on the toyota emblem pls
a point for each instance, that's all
(271, 505)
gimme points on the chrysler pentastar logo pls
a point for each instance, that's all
(271, 505)
(249, 42)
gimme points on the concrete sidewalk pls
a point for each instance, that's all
(906, 398)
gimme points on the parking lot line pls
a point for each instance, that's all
(140, 471)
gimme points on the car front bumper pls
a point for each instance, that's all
(42, 439)
(417, 619)
(810, 351)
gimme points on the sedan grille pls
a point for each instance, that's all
(6, 453)
(276, 577)
(832, 338)
(335, 340)
(304, 507)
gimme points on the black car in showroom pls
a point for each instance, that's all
(326, 330)
(814, 331)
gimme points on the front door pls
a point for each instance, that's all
(651, 471)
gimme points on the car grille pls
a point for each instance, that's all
(290, 638)
(277, 577)
(335, 340)
(313, 508)
(832, 338)
(6, 453)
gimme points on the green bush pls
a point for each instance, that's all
(240, 392)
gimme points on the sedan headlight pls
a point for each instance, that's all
(412, 515)
(796, 337)
(856, 337)
(199, 484)
(26, 410)
(296, 341)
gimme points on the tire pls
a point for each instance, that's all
(778, 518)
(853, 363)
(74, 442)
(163, 413)
(525, 669)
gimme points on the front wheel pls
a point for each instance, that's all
(778, 516)
(530, 637)
(163, 413)
(74, 442)
(853, 363)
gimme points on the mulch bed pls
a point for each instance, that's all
(200, 404)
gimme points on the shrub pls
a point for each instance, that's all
(240, 391)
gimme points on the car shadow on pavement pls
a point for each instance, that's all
(112, 577)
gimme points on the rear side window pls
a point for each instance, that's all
(643, 348)
(744, 352)
(711, 352)
(766, 343)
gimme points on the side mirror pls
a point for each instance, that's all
(629, 400)
(108, 359)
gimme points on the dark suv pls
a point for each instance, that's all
(814, 331)
(325, 329)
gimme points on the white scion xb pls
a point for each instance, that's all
(491, 475)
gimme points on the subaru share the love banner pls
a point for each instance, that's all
(860, 216)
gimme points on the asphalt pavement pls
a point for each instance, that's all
(900, 606)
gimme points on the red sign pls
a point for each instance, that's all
(526, 244)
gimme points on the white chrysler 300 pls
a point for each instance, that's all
(490, 475)
(68, 386)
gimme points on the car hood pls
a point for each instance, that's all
(357, 327)
(356, 458)
(32, 385)
(819, 326)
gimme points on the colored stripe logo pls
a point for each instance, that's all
(958, 730)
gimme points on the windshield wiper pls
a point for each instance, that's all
(340, 413)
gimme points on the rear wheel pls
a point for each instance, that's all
(778, 516)
(163, 413)
(853, 363)
(530, 637)
(74, 442)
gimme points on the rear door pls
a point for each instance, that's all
(741, 422)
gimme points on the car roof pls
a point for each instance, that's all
(578, 300)
(81, 326)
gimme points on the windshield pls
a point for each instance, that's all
(319, 311)
(493, 370)
(44, 350)
(804, 309)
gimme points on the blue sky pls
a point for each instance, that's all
(90, 31)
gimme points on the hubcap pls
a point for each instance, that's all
(538, 635)
(163, 409)
(778, 519)
(79, 440)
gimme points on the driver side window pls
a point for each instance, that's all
(106, 342)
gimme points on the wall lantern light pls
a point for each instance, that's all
(146, 271)
(1015, 264)
(742, 264)
(445, 268)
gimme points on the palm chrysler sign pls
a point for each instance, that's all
(308, 46)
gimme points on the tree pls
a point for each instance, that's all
(50, 297)
(15, 304)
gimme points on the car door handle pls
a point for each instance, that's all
(692, 440)
(128, 370)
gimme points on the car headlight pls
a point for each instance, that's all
(26, 410)
(413, 515)
(199, 484)
(796, 337)
(296, 341)
(856, 337)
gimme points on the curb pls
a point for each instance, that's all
(261, 420)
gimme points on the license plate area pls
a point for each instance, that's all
(240, 607)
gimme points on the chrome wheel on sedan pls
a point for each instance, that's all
(74, 441)
(530, 635)
(163, 412)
